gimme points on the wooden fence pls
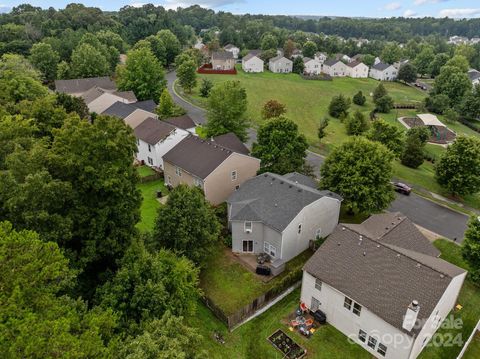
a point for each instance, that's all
(207, 69)
(154, 177)
(232, 320)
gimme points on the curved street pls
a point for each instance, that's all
(430, 215)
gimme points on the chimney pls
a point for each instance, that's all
(411, 315)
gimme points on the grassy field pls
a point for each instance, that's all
(473, 351)
(145, 171)
(307, 102)
(150, 204)
(230, 285)
(470, 300)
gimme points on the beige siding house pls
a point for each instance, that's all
(223, 60)
(357, 69)
(217, 166)
(335, 68)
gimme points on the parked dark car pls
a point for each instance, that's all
(320, 316)
(401, 188)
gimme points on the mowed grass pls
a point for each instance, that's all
(150, 204)
(469, 315)
(250, 340)
(231, 286)
(473, 351)
(307, 101)
(145, 171)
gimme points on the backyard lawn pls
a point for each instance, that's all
(231, 286)
(470, 300)
(473, 351)
(145, 171)
(150, 204)
(250, 340)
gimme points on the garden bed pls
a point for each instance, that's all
(286, 345)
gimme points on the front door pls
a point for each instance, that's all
(248, 246)
(315, 304)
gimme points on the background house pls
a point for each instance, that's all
(184, 122)
(383, 72)
(335, 68)
(154, 139)
(474, 76)
(312, 66)
(279, 215)
(223, 60)
(217, 169)
(252, 63)
(233, 49)
(76, 87)
(280, 64)
(375, 280)
(357, 69)
(321, 57)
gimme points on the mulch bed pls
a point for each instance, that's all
(286, 345)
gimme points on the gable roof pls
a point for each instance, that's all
(272, 199)
(120, 109)
(331, 62)
(395, 229)
(278, 58)
(147, 105)
(251, 55)
(473, 74)
(232, 142)
(355, 64)
(383, 278)
(184, 122)
(76, 86)
(302, 179)
(318, 54)
(137, 117)
(197, 156)
(381, 66)
(229, 47)
(96, 92)
(153, 131)
(222, 55)
(307, 59)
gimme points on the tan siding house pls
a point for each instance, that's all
(216, 169)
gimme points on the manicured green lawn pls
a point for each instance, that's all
(250, 340)
(470, 300)
(473, 351)
(145, 171)
(231, 286)
(150, 204)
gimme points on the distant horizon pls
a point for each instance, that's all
(457, 9)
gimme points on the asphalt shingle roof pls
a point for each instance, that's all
(302, 179)
(331, 62)
(184, 122)
(232, 142)
(383, 278)
(153, 131)
(279, 57)
(381, 66)
(81, 85)
(197, 156)
(222, 55)
(146, 105)
(272, 199)
(120, 109)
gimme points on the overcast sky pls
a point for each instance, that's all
(368, 8)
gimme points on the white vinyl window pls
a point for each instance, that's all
(150, 161)
(233, 175)
(357, 308)
(248, 227)
(382, 349)
(362, 336)
(269, 249)
(299, 228)
(178, 171)
(197, 182)
(149, 148)
(248, 246)
(372, 342)
(318, 284)
(347, 303)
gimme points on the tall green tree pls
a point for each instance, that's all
(339, 106)
(356, 124)
(387, 134)
(459, 168)
(269, 41)
(87, 61)
(298, 65)
(321, 133)
(471, 248)
(453, 81)
(407, 73)
(280, 147)
(37, 320)
(227, 105)
(413, 152)
(187, 75)
(171, 43)
(424, 60)
(143, 74)
(309, 49)
(359, 98)
(360, 171)
(45, 59)
(187, 225)
(148, 284)
(391, 53)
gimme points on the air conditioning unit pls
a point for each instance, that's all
(248, 230)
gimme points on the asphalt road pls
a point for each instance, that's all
(430, 215)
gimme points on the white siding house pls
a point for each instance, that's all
(154, 139)
(252, 63)
(383, 72)
(321, 57)
(357, 69)
(312, 66)
(388, 293)
(335, 68)
(233, 49)
(280, 64)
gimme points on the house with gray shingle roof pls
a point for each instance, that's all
(233, 49)
(280, 64)
(223, 60)
(383, 72)
(335, 68)
(379, 280)
(474, 76)
(252, 62)
(280, 215)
